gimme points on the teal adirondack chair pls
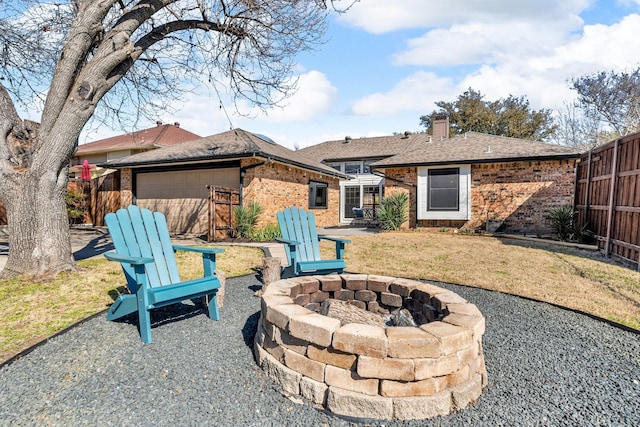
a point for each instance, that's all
(300, 236)
(143, 247)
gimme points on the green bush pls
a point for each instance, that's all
(563, 223)
(393, 211)
(245, 219)
(266, 234)
(562, 219)
(76, 206)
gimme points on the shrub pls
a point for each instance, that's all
(393, 211)
(563, 223)
(562, 219)
(245, 219)
(266, 234)
(76, 206)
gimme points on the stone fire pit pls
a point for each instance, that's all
(367, 371)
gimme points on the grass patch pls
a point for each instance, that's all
(566, 276)
(570, 277)
(33, 310)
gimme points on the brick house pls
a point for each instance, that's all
(174, 180)
(474, 181)
(119, 146)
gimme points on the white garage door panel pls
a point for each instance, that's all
(182, 195)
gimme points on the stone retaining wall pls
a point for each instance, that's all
(367, 371)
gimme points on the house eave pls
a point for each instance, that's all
(209, 159)
(478, 161)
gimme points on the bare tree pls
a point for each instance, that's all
(74, 60)
(611, 97)
(579, 128)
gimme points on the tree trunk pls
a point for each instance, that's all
(38, 224)
(270, 271)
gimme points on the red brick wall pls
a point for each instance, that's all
(516, 194)
(520, 194)
(276, 187)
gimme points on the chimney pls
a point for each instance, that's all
(159, 123)
(176, 124)
(440, 126)
(347, 139)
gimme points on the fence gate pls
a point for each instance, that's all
(221, 203)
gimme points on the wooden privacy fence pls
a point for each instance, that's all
(101, 195)
(221, 203)
(608, 196)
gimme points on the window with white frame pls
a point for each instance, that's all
(443, 192)
(443, 188)
(318, 195)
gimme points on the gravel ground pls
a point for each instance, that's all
(546, 367)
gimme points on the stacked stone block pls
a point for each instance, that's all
(367, 371)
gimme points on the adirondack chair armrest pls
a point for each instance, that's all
(287, 241)
(334, 239)
(208, 256)
(198, 249)
(133, 260)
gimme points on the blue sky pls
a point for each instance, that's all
(387, 62)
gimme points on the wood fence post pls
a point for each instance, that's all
(612, 197)
(588, 188)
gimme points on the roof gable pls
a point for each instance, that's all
(158, 136)
(362, 148)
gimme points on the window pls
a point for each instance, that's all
(352, 168)
(444, 192)
(366, 167)
(443, 186)
(318, 194)
(336, 166)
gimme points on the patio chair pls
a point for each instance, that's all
(300, 236)
(143, 248)
(358, 216)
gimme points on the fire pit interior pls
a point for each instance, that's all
(369, 346)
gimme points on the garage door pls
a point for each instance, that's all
(182, 195)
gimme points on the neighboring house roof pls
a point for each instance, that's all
(474, 147)
(363, 148)
(158, 136)
(233, 144)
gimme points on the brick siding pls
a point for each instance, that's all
(517, 195)
(276, 187)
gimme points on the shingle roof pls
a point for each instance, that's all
(233, 144)
(361, 148)
(421, 149)
(474, 147)
(158, 136)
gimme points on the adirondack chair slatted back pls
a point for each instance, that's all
(141, 233)
(299, 225)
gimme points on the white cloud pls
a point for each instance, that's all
(477, 43)
(315, 95)
(418, 92)
(381, 16)
(599, 47)
(545, 78)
